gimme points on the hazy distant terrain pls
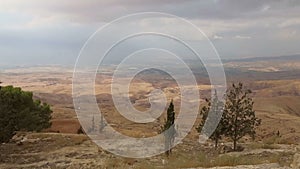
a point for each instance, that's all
(276, 89)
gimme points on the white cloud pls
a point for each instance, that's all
(265, 8)
(242, 37)
(217, 37)
(289, 22)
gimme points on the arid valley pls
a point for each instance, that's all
(275, 83)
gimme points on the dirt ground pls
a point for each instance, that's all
(276, 103)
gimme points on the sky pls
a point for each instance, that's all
(54, 31)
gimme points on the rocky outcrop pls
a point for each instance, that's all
(296, 161)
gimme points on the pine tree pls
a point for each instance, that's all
(240, 117)
(169, 129)
(207, 123)
(102, 123)
(92, 128)
(18, 111)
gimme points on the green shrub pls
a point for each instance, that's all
(19, 112)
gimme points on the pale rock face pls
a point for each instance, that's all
(296, 161)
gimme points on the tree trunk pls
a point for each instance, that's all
(234, 145)
(167, 145)
(216, 143)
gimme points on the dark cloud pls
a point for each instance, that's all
(57, 29)
(95, 10)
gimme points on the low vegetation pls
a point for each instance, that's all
(202, 159)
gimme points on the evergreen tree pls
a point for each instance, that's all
(102, 123)
(240, 117)
(92, 128)
(215, 107)
(169, 129)
(18, 111)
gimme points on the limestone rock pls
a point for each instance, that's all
(296, 161)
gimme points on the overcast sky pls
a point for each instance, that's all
(53, 31)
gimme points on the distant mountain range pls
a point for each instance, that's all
(273, 58)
